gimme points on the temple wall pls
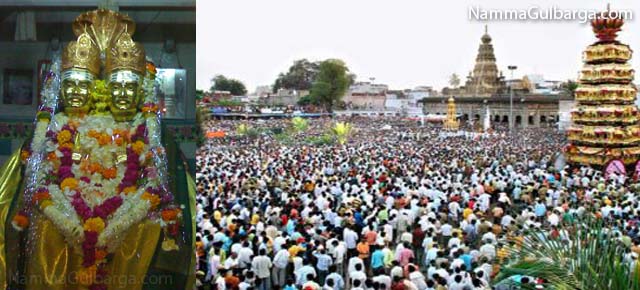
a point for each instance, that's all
(525, 114)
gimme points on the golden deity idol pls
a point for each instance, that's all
(80, 67)
(93, 208)
(125, 68)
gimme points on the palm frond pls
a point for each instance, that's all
(589, 256)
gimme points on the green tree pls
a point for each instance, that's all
(300, 76)
(341, 131)
(222, 83)
(299, 124)
(199, 94)
(307, 100)
(569, 87)
(331, 83)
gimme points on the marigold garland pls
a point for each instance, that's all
(107, 218)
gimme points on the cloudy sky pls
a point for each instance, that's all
(402, 43)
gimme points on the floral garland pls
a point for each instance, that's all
(94, 201)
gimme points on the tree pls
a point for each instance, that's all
(569, 87)
(307, 100)
(341, 131)
(199, 94)
(222, 83)
(299, 124)
(331, 83)
(454, 81)
(299, 77)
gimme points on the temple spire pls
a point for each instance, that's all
(484, 79)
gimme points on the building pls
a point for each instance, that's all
(366, 96)
(486, 88)
(263, 91)
(396, 102)
(485, 80)
(538, 85)
(284, 97)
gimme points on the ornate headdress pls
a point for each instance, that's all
(125, 55)
(104, 26)
(82, 54)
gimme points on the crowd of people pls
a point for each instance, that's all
(398, 206)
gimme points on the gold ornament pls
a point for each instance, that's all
(126, 54)
(104, 26)
(82, 54)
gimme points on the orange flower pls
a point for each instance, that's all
(119, 140)
(40, 196)
(109, 173)
(149, 109)
(170, 214)
(70, 183)
(100, 254)
(93, 134)
(129, 189)
(95, 224)
(66, 145)
(24, 155)
(121, 133)
(137, 147)
(64, 136)
(152, 198)
(95, 167)
(20, 221)
(104, 139)
(73, 123)
(52, 156)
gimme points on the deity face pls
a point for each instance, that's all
(76, 92)
(125, 90)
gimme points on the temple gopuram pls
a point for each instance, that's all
(605, 129)
(487, 90)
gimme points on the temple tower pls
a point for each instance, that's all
(606, 120)
(485, 79)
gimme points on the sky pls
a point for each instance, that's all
(401, 43)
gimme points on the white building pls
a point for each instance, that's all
(393, 103)
(544, 87)
(366, 95)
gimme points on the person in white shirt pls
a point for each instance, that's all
(339, 253)
(303, 274)
(231, 261)
(244, 255)
(357, 277)
(280, 262)
(383, 279)
(261, 265)
(351, 239)
(417, 278)
(335, 279)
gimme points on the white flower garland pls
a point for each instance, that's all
(62, 213)
(132, 211)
